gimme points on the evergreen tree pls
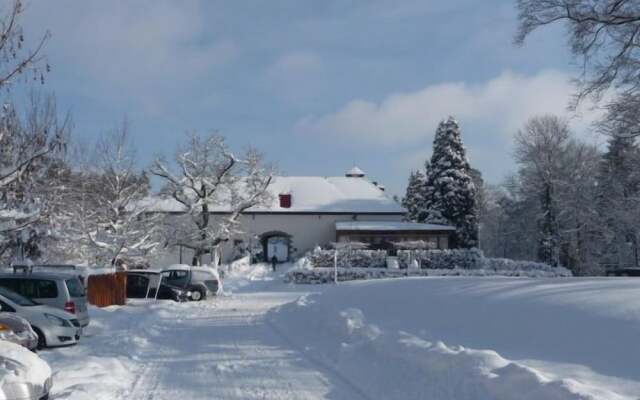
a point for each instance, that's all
(413, 197)
(449, 192)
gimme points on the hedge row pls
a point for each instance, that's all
(430, 259)
(326, 275)
(348, 258)
(441, 259)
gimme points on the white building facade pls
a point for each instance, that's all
(305, 213)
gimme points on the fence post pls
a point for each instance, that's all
(335, 266)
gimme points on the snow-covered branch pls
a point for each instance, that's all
(210, 178)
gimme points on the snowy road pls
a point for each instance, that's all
(225, 350)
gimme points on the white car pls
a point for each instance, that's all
(53, 326)
(15, 329)
(23, 375)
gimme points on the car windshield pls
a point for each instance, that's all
(16, 298)
(75, 288)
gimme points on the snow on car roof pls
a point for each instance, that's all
(338, 194)
(390, 226)
(31, 368)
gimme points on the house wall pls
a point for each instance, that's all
(306, 230)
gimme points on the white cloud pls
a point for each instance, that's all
(133, 51)
(500, 105)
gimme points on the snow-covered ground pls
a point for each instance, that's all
(475, 338)
(431, 338)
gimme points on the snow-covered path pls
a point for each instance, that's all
(224, 349)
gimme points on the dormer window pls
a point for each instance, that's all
(285, 200)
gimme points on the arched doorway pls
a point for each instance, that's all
(276, 243)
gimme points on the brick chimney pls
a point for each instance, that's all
(285, 200)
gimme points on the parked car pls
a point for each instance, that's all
(624, 272)
(23, 375)
(142, 284)
(54, 327)
(16, 329)
(200, 281)
(60, 290)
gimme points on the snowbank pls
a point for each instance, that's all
(241, 273)
(471, 338)
(106, 361)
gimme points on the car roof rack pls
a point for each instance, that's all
(28, 269)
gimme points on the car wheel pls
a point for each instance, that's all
(42, 341)
(197, 295)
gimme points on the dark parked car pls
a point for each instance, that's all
(624, 272)
(143, 285)
(200, 281)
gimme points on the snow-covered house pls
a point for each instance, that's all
(309, 211)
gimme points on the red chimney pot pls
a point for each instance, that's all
(285, 200)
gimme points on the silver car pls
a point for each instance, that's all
(16, 329)
(53, 326)
(59, 290)
(23, 375)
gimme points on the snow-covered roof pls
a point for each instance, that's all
(310, 194)
(390, 226)
(355, 172)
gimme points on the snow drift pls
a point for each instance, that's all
(426, 338)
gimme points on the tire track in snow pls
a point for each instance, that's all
(317, 362)
(231, 350)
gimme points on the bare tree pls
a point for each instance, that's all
(210, 177)
(29, 144)
(578, 218)
(72, 211)
(15, 60)
(22, 143)
(118, 226)
(604, 37)
(539, 151)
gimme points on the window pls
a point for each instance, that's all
(16, 298)
(4, 307)
(27, 288)
(11, 284)
(75, 288)
(32, 288)
(45, 289)
(137, 281)
(176, 278)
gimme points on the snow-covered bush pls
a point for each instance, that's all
(326, 275)
(348, 258)
(371, 264)
(442, 259)
(505, 265)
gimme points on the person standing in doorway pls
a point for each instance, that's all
(274, 261)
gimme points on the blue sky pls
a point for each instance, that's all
(315, 85)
